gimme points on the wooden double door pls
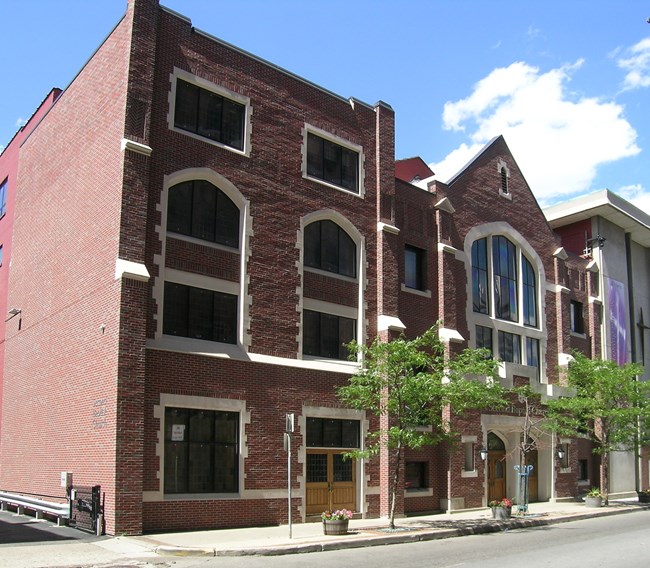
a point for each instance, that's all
(331, 481)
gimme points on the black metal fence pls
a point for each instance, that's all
(87, 508)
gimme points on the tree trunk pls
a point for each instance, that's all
(394, 481)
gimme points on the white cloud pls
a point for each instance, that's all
(636, 194)
(20, 122)
(557, 138)
(637, 65)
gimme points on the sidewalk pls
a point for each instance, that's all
(309, 537)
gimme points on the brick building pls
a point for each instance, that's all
(198, 233)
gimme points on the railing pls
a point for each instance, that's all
(40, 506)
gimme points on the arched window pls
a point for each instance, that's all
(201, 210)
(328, 247)
(504, 180)
(498, 293)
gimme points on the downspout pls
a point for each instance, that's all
(633, 351)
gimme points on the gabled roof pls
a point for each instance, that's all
(412, 169)
(474, 158)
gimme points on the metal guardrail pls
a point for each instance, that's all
(21, 502)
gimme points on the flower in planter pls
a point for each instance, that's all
(504, 503)
(647, 491)
(594, 492)
(338, 515)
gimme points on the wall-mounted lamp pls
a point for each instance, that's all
(560, 453)
(13, 312)
(483, 453)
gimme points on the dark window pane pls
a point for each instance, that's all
(350, 170)
(179, 209)
(310, 333)
(199, 313)
(414, 268)
(187, 105)
(201, 451)
(208, 114)
(505, 278)
(350, 434)
(175, 309)
(314, 432)
(314, 156)
(204, 208)
(316, 468)
(200, 317)
(332, 163)
(225, 318)
(233, 124)
(209, 124)
(342, 467)
(201, 210)
(479, 277)
(509, 347)
(227, 222)
(347, 255)
(325, 335)
(328, 247)
(484, 338)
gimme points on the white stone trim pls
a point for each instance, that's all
(389, 323)
(132, 270)
(392, 229)
(136, 147)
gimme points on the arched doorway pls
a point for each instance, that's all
(496, 467)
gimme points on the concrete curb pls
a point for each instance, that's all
(364, 537)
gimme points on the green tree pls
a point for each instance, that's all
(610, 407)
(413, 383)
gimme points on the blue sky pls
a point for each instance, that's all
(566, 82)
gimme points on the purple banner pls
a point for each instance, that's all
(617, 329)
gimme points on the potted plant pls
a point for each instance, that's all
(501, 509)
(336, 522)
(644, 495)
(594, 498)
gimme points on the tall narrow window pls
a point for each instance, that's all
(484, 338)
(3, 198)
(577, 318)
(504, 258)
(328, 247)
(480, 277)
(414, 268)
(504, 180)
(532, 353)
(509, 347)
(530, 293)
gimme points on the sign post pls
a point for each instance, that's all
(287, 446)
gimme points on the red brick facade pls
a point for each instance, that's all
(89, 372)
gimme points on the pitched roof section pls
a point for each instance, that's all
(412, 170)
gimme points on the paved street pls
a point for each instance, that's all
(568, 533)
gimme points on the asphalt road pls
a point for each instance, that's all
(621, 541)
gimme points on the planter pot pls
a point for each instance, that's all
(644, 497)
(502, 513)
(335, 527)
(593, 502)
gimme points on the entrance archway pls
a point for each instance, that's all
(496, 467)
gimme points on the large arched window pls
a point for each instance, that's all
(328, 247)
(504, 313)
(201, 210)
